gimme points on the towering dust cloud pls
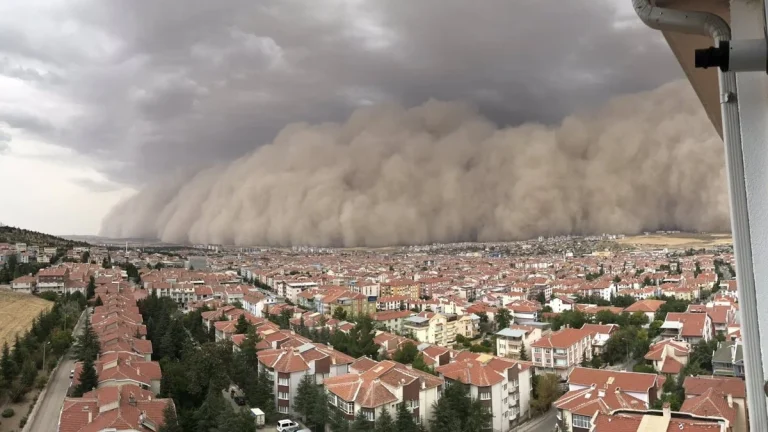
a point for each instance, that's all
(440, 172)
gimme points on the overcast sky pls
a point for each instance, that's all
(100, 96)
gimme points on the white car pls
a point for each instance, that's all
(287, 426)
(71, 374)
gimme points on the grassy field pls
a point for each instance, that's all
(678, 241)
(17, 312)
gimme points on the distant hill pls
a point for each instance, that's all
(9, 234)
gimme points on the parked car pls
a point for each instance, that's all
(287, 426)
(72, 374)
(239, 400)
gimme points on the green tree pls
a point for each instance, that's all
(88, 378)
(9, 368)
(339, 313)
(479, 417)
(85, 257)
(28, 374)
(207, 416)
(90, 291)
(385, 423)
(584, 361)
(170, 420)
(306, 396)
(242, 325)
(404, 421)
(405, 354)
(338, 422)
(87, 346)
(523, 353)
(547, 392)
(361, 424)
(503, 318)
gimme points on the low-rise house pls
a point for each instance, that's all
(372, 386)
(654, 420)
(24, 284)
(728, 360)
(128, 408)
(560, 352)
(648, 307)
(600, 335)
(723, 390)
(117, 371)
(669, 356)
(595, 391)
(561, 304)
(689, 327)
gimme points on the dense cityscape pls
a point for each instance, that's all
(562, 333)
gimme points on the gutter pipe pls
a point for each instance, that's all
(708, 24)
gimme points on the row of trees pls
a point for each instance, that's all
(87, 351)
(26, 364)
(196, 371)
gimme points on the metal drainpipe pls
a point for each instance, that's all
(707, 24)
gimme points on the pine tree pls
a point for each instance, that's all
(405, 422)
(28, 374)
(88, 378)
(338, 422)
(91, 290)
(361, 424)
(523, 354)
(19, 353)
(242, 325)
(170, 420)
(88, 346)
(9, 368)
(306, 396)
(385, 423)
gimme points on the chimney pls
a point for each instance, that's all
(730, 400)
(666, 411)
(132, 399)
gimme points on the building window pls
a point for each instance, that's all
(411, 404)
(370, 415)
(283, 381)
(581, 421)
(282, 409)
(485, 396)
(282, 395)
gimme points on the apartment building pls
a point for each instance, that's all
(560, 352)
(52, 279)
(510, 341)
(392, 320)
(593, 391)
(354, 304)
(287, 366)
(687, 326)
(433, 328)
(24, 284)
(400, 287)
(502, 385)
(372, 386)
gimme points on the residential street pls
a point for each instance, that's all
(47, 417)
(545, 423)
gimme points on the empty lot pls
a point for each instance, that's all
(17, 312)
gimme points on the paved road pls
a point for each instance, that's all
(47, 417)
(545, 423)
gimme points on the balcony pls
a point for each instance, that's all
(485, 396)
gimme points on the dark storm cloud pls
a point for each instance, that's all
(161, 86)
